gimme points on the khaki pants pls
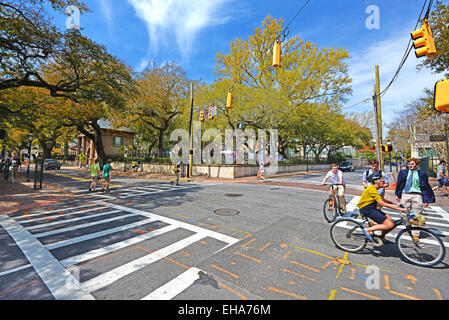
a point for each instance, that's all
(413, 202)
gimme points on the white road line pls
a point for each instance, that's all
(4, 273)
(46, 212)
(90, 236)
(115, 246)
(351, 206)
(174, 287)
(58, 280)
(111, 276)
(213, 234)
(49, 224)
(49, 233)
(65, 215)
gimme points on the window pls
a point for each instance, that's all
(117, 141)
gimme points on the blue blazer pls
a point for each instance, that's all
(427, 193)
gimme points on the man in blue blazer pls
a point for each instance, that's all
(413, 189)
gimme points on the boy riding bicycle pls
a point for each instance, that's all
(368, 207)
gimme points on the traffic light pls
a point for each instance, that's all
(441, 96)
(277, 54)
(210, 117)
(425, 44)
(201, 115)
(230, 100)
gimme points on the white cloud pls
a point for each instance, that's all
(181, 19)
(387, 54)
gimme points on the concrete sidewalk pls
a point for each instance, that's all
(20, 196)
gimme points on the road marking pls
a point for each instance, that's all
(248, 257)
(110, 277)
(81, 226)
(299, 275)
(114, 247)
(287, 293)
(50, 224)
(225, 271)
(174, 287)
(304, 266)
(52, 273)
(219, 236)
(90, 236)
(360, 293)
(46, 212)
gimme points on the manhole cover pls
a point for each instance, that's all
(226, 212)
(233, 195)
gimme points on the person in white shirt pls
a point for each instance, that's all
(336, 178)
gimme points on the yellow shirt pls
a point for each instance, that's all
(369, 196)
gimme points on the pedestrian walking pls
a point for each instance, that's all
(107, 168)
(134, 166)
(260, 150)
(15, 165)
(177, 169)
(5, 167)
(94, 174)
(413, 189)
(442, 178)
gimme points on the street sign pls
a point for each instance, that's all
(438, 137)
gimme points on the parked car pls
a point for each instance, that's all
(50, 164)
(346, 166)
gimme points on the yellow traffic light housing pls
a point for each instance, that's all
(441, 96)
(277, 52)
(424, 44)
(229, 100)
(201, 115)
(209, 115)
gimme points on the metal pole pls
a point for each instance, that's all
(189, 174)
(29, 160)
(35, 173)
(42, 172)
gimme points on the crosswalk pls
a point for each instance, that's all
(135, 191)
(56, 242)
(437, 219)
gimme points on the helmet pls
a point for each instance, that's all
(374, 177)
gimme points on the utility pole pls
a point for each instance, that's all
(376, 121)
(379, 119)
(189, 172)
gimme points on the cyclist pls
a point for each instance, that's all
(368, 207)
(336, 177)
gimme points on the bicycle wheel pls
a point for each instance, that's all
(420, 246)
(347, 235)
(330, 209)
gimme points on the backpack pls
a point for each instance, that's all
(367, 173)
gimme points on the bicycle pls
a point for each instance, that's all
(416, 244)
(331, 207)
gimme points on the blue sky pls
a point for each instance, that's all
(191, 32)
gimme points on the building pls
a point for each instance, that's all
(114, 141)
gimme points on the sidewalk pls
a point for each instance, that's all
(20, 196)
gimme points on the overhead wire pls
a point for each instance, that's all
(404, 57)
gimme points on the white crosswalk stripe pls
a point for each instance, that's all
(45, 232)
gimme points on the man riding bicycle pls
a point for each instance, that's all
(368, 207)
(336, 177)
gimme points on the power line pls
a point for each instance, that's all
(404, 57)
(299, 11)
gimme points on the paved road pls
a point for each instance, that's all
(153, 240)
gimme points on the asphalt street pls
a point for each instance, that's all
(149, 239)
